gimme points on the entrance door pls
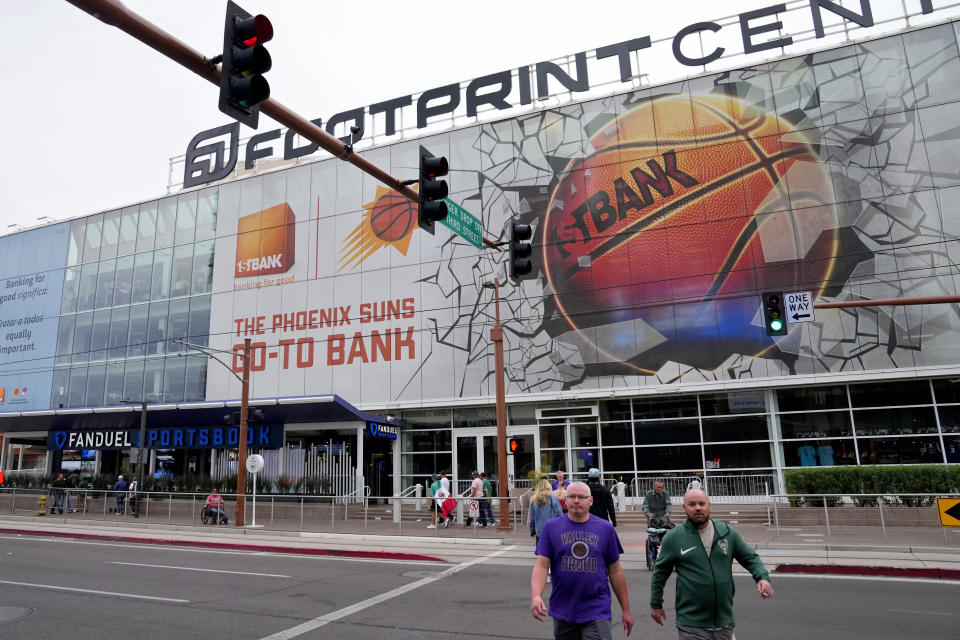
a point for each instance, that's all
(476, 450)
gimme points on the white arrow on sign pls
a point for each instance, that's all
(799, 307)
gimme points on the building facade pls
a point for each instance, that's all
(660, 216)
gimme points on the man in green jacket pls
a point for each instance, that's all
(702, 552)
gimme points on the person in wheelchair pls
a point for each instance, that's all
(656, 528)
(213, 509)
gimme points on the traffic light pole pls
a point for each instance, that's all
(496, 335)
(242, 440)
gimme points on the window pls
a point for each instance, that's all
(105, 284)
(119, 328)
(182, 270)
(123, 281)
(160, 285)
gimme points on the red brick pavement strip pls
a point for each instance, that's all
(381, 555)
(935, 573)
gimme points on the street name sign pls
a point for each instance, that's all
(798, 306)
(949, 509)
(462, 223)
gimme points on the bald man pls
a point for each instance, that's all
(702, 551)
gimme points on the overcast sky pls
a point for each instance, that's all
(92, 116)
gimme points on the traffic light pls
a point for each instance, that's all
(245, 59)
(431, 207)
(520, 250)
(774, 319)
(517, 445)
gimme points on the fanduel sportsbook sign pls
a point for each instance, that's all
(209, 161)
(258, 437)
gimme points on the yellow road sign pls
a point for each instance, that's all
(949, 509)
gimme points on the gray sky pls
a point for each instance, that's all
(93, 116)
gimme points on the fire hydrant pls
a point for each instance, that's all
(42, 505)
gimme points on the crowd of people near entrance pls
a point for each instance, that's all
(578, 552)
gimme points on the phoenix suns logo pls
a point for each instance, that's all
(387, 221)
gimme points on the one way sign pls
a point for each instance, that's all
(799, 307)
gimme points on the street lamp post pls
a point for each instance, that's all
(244, 404)
(143, 435)
(496, 335)
(242, 445)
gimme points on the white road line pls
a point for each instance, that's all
(188, 549)
(54, 587)
(827, 576)
(333, 616)
(917, 612)
(165, 566)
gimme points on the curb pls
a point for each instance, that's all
(382, 555)
(935, 573)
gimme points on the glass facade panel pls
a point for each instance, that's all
(178, 323)
(127, 235)
(139, 315)
(438, 440)
(92, 238)
(160, 286)
(553, 435)
(947, 390)
(884, 394)
(119, 333)
(65, 340)
(812, 398)
(616, 433)
(105, 284)
(100, 335)
(142, 277)
(664, 407)
(78, 386)
(821, 424)
(123, 281)
(744, 455)
(71, 290)
(199, 320)
(111, 235)
(186, 218)
(949, 419)
(133, 381)
(166, 223)
(59, 388)
(722, 404)
(153, 379)
(583, 435)
(556, 459)
(88, 287)
(203, 267)
(819, 453)
(173, 379)
(96, 380)
(182, 270)
(157, 328)
(667, 431)
(669, 458)
(81, 339)
(196, 379)
(147, 227)
(207, 214)
(894, 421)
(907, 450)
(735, 429)
(75, 242)
(113, 389)
(618, 460)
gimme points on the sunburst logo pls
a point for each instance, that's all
(387, 221)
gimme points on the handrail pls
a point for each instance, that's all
(409, 491)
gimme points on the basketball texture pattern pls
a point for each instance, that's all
(392, 217)
(686, 210)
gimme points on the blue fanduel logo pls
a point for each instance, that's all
(377, 430)
(259, 436)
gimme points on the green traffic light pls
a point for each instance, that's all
(776, 325)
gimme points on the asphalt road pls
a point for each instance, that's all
(79, 589)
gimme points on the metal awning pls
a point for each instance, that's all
(325, 408)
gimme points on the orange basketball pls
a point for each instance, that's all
(392, 217)
(705, 201)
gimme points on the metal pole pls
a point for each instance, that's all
(143, 435)
(242, 454)
(496, 335)
(883, 526)
(826, 516)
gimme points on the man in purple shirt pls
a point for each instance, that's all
(581, 551)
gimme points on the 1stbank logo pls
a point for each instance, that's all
(265, 242)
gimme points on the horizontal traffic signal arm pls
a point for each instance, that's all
(115, 14)
(888, 302)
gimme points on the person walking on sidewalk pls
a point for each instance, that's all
(582, 553)
(560, 490)
(121, 488)
(132, 497)
(656, 502)
(602, 505)
(58, 491)
(476, 490)
(486, 510)
(434, 507)
(543, 507)
(702, 551)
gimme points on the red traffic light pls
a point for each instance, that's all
(517, 444)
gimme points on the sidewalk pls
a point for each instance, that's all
(918, 552)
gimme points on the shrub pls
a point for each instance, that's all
(895, 481)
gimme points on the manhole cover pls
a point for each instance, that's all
(12, 613)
